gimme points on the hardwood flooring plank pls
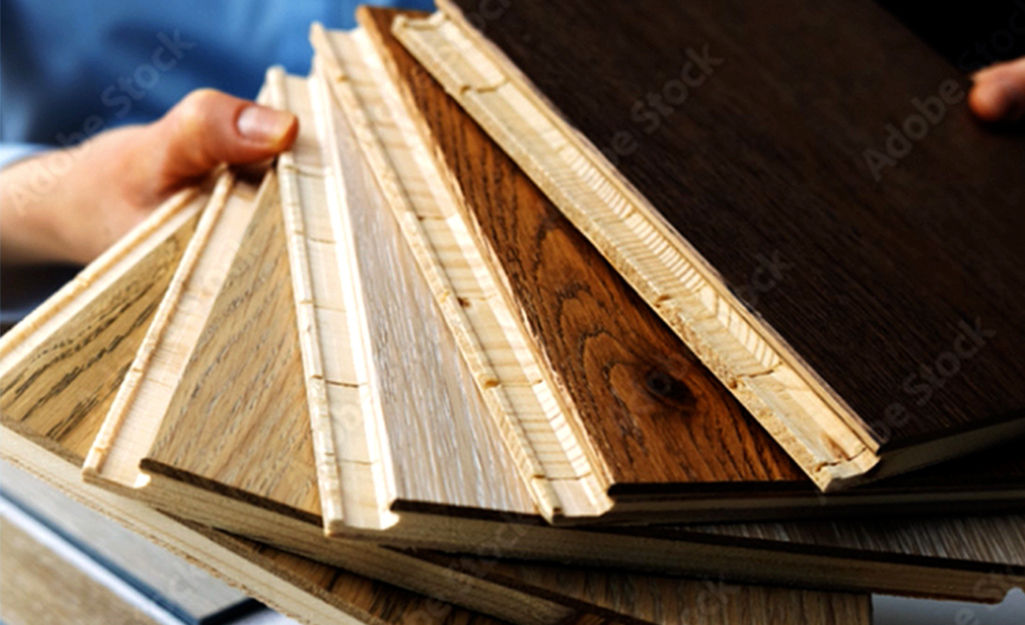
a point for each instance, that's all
(663, 423)
(255, 287)
(788, 180)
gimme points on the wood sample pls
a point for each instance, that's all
(751, 220)
(676, 444)
(175, 585)
(222, 480)
(258, 281)
(77, 323)
(529, 410)
(530, 413)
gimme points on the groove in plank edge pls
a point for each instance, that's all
(363, 427)
(745, 356)
(180, 311)
(488, 333)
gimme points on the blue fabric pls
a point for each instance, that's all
(70, 68)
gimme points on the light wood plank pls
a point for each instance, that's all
(530, 411)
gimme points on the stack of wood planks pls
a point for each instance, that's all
(500, 340)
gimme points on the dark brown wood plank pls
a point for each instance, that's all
(660, 419)
(766, 157)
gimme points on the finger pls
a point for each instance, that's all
(209, 128)
(999, 92)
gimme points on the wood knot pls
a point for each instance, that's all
(662, 385)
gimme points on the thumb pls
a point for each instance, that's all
(209, 128)
(999, 92)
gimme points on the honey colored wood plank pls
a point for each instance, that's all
(561, 472)
(693, 256)
(623, 368)
(68, 357)
(309, 591)
(42, 588)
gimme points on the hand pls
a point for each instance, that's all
(999, 92)
(69, 205)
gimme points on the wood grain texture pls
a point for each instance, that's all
(178, 587)
(438, 444)
(807, 162)
(918, 559)
(66, 359)
(220, 368)
(531, 414)
(663, 423)
(309, 591)
(456, 529)
(260, 269)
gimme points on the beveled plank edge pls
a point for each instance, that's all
(329, 479)
(94, 468)
(367, 490)
(565, 483)
(806, 418)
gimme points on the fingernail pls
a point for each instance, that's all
(264, 125)
(1002, 99)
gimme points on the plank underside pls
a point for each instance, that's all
(853, 270)
(662, 422)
